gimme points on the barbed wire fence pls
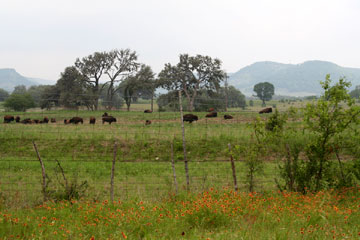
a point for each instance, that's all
(35, 171)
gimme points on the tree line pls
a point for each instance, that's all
(112, 79)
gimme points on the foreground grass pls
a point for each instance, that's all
(213, 214)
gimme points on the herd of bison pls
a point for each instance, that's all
(109, 119)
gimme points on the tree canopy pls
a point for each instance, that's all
(3, 95)
(191, 74)
(19, 102)
(264, 91)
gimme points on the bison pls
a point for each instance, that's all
(266, 110)
(17, 119)
(226, 116)
(76, 120)
(108, 119)
(147, 111)
(26, 121)
(45, 120)
(147, 122)
(8, 118)
(212, 114)
(36, 121)
(190, 118)
(92, 120)
(105, 114)
(53, 120)
(66, 121)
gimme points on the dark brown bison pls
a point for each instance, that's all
(26, 121)
(92, 120)
(147, 111)
(211, 110)
(190, 118)
(105, 114)
(53, 120)
(45, 120)
(147, 122)
(36, 121)
(212, 114)
(226, 116)
(266, 110)
(108, 119)
(76, 120)
(8, 118)
(17, 119)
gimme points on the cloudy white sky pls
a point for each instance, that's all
(39, 38)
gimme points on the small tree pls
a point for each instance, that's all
(327, 120)
(264, 91)
(19, 102)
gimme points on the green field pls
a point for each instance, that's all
(143, 172)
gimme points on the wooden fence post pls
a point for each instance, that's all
(42, 171)
(112, 175)
(233, 168)
(184, 144)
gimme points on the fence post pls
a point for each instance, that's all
(233, 168)
(184, 144)
(42, 171)
(112, 175)
(173, 166)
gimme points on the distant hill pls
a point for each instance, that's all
(290, 79)
(9, 78)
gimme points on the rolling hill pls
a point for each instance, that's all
(9, 78)
(291, 79)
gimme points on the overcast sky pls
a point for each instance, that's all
(39, 38)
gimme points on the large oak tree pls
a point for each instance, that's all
(191, 74)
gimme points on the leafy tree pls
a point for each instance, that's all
(135, 86)
(3, 95)
(235, 97)
(36, 93)
(117, 101)
(264, 91)
(50, 97)
(192, 74)
(119, 65)
(92, 68)
(19, 102)
(327, 120)
(74, 91)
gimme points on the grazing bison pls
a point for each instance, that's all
(8, 118)
(17, 119)
(190, 118)
(212, 114)
(108, 119)
(147, 111)
(53, 120)
(105, 114)
(226, 116)
(26, 121)
(211, 110)
(76, 120)
(36, 121)
(147, 122)
(266, 110)
(92, 120)
(45, 120)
